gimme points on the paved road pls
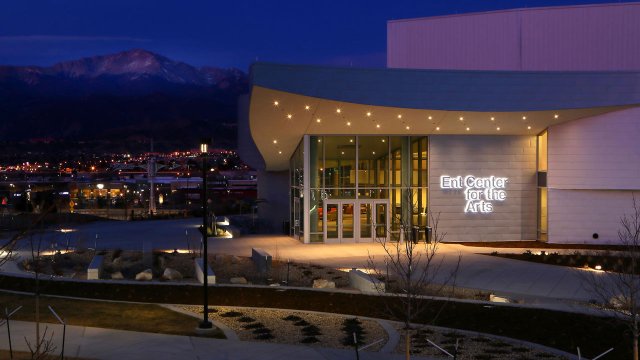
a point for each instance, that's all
(107, 344)
(535, 282)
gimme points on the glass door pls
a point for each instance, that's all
(381, 216)
(331, 225)
(340, 221)
(296, 218)
(366, 222)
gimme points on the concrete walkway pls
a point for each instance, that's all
(525, 280)
(108, 344)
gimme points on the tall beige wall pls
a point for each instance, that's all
(512, 157)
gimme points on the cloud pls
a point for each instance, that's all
(65, 38)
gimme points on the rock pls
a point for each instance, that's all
(117, 275)
(171, 274)
(323, 284)
(238, 280)
(146, 275)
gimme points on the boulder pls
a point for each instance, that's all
(117, 276)
(323, 284)
(171, 274)
(238, 280)
(146, 275)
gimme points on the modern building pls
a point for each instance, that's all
(508, 125)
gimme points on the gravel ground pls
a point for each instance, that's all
(289, 326)
(470, 347)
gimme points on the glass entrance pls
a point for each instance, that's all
(355, 220)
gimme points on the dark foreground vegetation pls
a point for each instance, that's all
(561, 330)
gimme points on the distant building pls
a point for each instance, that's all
(511, 125)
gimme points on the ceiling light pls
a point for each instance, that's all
(492, 118)
(279, 152)
(373, 152)
(468, 129)
(528, 127)
(461, 118)
(276, 103)
(318, 120)
(430, 117)
(343, 153)
(498, 128)
(383, 140)
(555, 116)
(399, 116)
(368, 113)
(338, 110)
(524, 118)
(348, 123)
(438, 128)
(275, 141)
(351, 140)
(407, 127)
(289, 116)
(378, 126)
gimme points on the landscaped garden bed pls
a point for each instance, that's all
(291, 327)
(603, 260)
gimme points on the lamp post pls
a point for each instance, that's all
(205, 324)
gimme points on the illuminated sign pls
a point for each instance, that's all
(479, 192)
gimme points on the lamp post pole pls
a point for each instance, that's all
(205, 324)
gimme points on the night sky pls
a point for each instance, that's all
(219, 33)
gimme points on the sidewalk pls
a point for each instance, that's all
(108, 344)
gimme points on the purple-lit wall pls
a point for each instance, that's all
(592, 37)
(594, 168)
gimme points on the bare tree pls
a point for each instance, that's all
(417, 270)
(619, 291)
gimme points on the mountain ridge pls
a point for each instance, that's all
(131, 94)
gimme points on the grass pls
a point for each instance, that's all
(20, 355)
(111, 315)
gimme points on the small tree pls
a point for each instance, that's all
(418, 271)
(619, 291)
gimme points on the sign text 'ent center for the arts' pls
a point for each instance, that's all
(479, 192)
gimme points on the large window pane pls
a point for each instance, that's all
(373, 161)
(340, 160)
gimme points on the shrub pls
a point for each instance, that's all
(301, 323)
(255, 325)
(265, 336)
(231, 314)
(309, 340)
(311, 330)
(246, 319)
(292, 318)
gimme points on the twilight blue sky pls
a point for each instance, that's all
(219, 32)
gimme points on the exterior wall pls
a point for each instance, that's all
(591, 37)
(594, 167)
(273, 187)
(575, 215)
(513, 157)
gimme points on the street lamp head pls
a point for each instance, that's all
(204, 145)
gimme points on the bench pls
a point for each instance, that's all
(211, 277)
(365, 282)
(261, 259)
(95, 268)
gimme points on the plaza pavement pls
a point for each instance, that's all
(536, 283)
(109, 344)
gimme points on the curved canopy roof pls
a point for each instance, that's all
(287, 101)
